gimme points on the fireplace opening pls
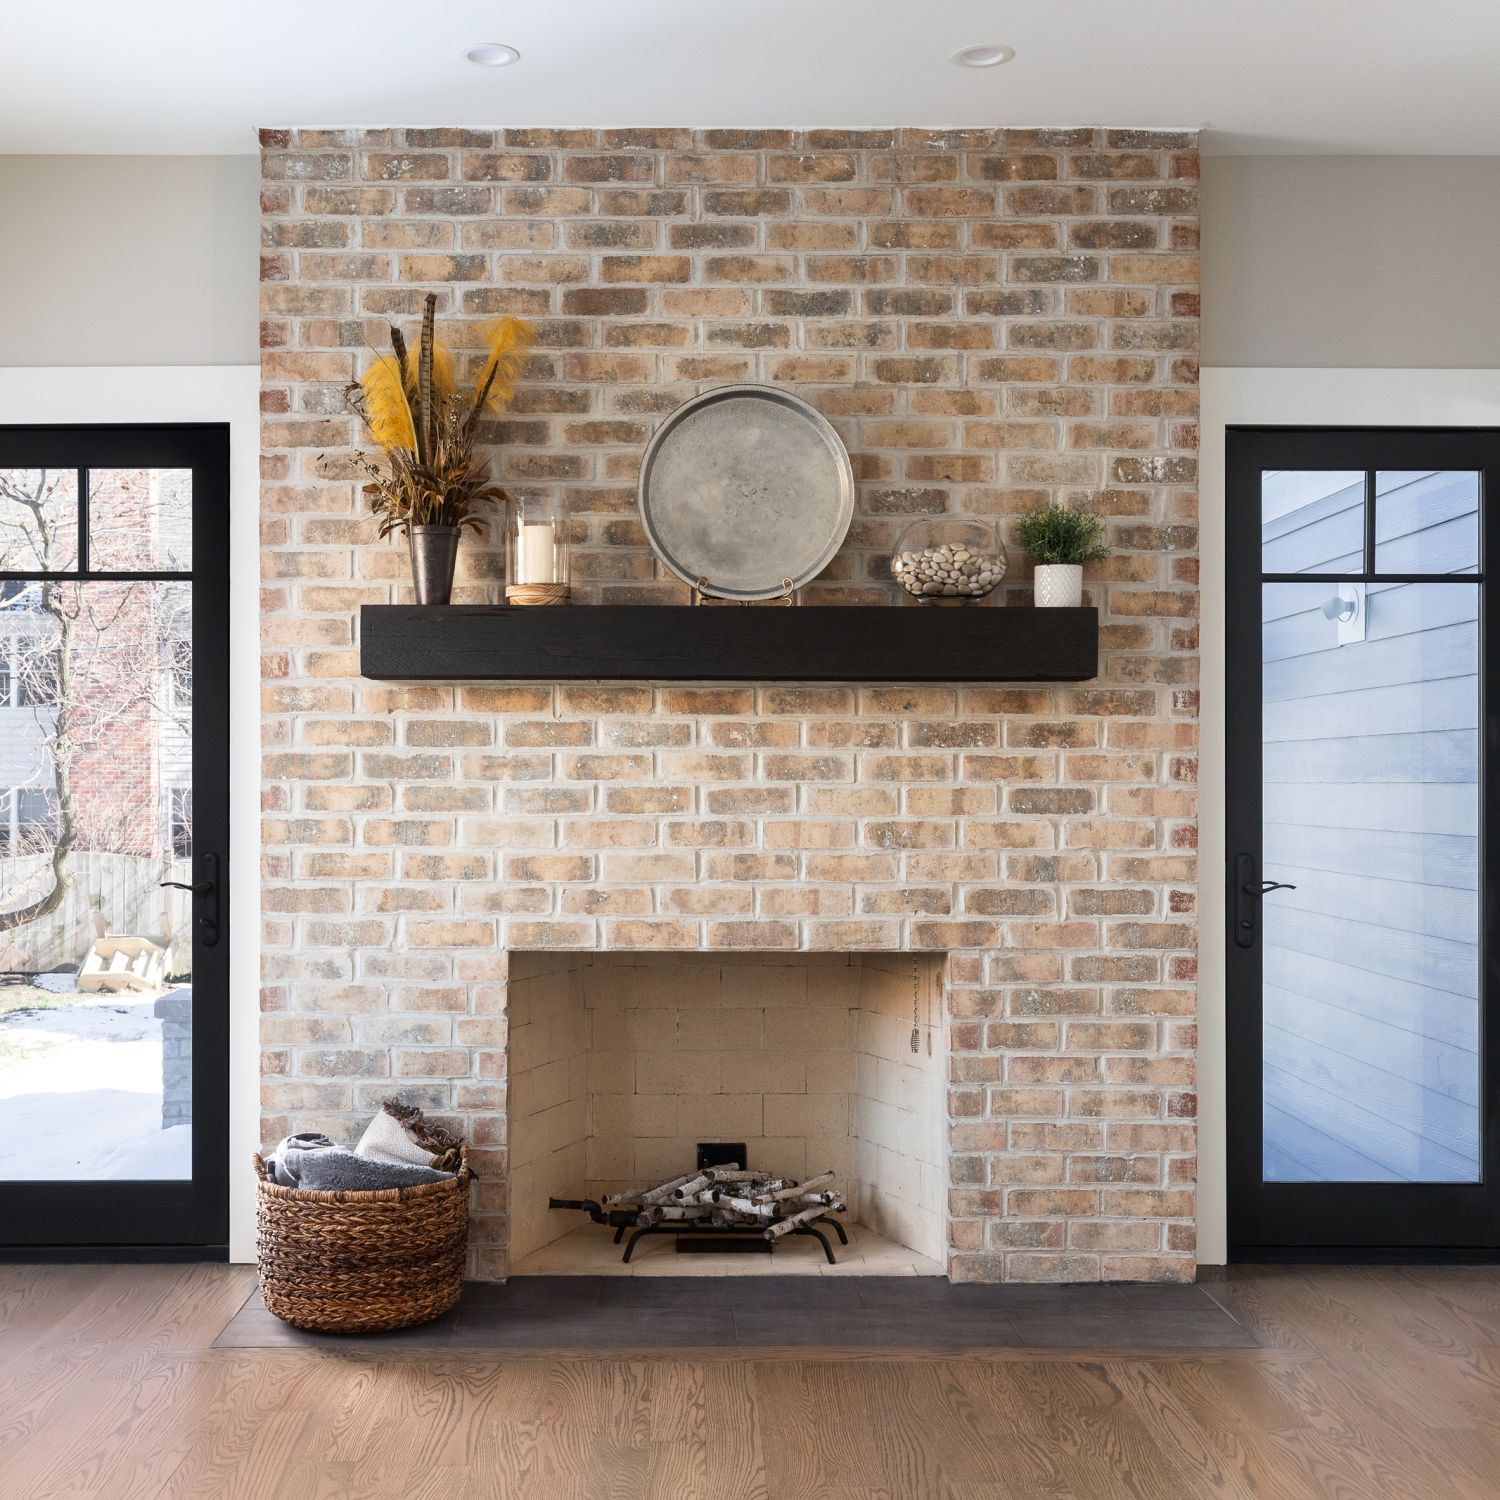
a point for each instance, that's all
(622, 1066)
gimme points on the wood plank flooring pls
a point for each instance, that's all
(1373, 1382)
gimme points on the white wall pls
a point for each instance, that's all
(1351, 261)
(129, 260)
(1331, 261)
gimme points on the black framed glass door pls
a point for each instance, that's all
(114, 839)
(1361, 744)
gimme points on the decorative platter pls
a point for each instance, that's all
(745, 487)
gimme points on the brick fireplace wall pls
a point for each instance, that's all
(991, 319)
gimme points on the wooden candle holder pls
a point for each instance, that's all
(537, 593)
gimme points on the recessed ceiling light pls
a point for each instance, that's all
(985, 55)
(492, 54)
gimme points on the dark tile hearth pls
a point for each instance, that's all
(712, 1312)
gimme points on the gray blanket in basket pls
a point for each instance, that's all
(313, 1162)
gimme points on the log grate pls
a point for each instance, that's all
(721, 1207)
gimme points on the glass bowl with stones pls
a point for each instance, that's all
(947, 560)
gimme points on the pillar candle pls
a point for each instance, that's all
(535, 555)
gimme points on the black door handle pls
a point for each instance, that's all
(1247, 893)
(206, 923)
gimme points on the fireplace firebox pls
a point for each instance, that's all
(802, 1065)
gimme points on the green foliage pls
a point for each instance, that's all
(1058, 534)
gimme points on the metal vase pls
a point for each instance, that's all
(434, 550)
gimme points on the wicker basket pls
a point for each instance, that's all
(361, 1262)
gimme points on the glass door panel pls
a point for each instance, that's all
(38, 520)
(112, 966)
(96, 954)
(1312, 521)
(1362, 1073)
(1371, 813)
(1426, 521)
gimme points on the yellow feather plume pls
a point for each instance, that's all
(387, 395)
(390, 385)
(389, 412)
(507, 341)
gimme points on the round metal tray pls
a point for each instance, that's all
(744, 487)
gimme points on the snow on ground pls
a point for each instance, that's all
(80, 1094)
(57, 984)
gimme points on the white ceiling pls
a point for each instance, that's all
(196, 76)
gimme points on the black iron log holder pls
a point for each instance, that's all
(691, 1235)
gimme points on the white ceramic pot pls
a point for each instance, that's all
(1059, 585)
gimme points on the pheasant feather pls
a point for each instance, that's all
(426, 421)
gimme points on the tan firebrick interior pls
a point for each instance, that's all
(620, 1064)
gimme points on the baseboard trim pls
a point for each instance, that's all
(1364, 1255)
(50, 1255)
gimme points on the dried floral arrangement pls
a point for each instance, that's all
(427, 426)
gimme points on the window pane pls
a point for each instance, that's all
(181, 811)
(38, 520)
(1371, 808)
(37, 817)
(140, 520)
(1312, 521)
(179, 671)
(1426, 521)
(96, 990)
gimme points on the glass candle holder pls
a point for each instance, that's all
(948, 560)
(536, 551)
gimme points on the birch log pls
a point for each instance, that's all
(665, 1190)
(670, 1214)
(796, 1189)
(693, 1186)
(785, 1226)
(749, 1206)
(725, 1197)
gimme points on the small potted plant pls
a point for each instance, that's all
(431, 482)
(1060, 540)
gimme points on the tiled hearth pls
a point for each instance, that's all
(593, 1313)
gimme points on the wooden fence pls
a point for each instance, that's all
(123, 889)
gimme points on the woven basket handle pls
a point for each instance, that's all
(262, 1171)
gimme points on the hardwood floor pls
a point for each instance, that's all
(1370, 1382)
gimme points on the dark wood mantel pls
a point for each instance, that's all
(675, 643)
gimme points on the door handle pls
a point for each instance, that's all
(206, 923)
(1247, 893)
